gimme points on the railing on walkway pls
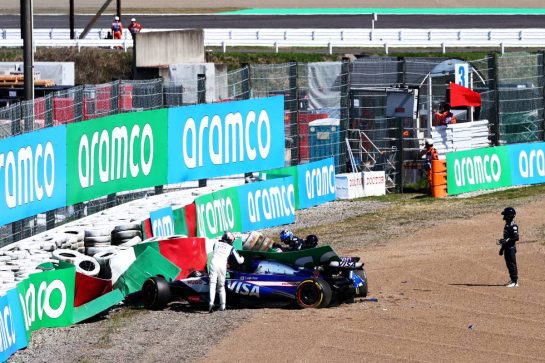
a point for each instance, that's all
(315, 38)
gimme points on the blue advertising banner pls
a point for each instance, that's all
(12, 326)
(267, 204)
(316, 183)
(32, 173)
(527, 163)
(210, 140)
(162, 222)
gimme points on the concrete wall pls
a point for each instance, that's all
(154, 49)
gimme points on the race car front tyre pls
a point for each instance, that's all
(156, 293)
(313, 294)
(361, 291)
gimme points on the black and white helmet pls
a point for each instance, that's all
(509, 213)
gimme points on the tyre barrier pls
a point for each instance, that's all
(256, 241)
(66, 255)
(103, 259)
(87, 265)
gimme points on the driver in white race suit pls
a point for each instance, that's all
(221, 251)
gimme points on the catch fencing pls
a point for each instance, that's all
(330, 109)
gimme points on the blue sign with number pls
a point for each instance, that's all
(461, 71)
(32, 173)
(12, 326)
(220, 139)
(316, 183)
(267, 204)
(162, 222)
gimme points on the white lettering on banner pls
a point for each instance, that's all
(320, 181)
(275, 201)
(30, 306)
(163, 227)
(23, 186)
(242, 288)
(527, 163)
(7, 330)
(234, 143)
(219, 215)
(115, 154)
(477, 170)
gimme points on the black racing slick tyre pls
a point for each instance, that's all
(313, 294)
(361, 291)
(156, 293)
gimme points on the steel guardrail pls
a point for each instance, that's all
(317, 38)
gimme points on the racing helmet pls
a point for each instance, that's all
(311, 240)
(429, 142)
(133, 19)
(509, 213)
(228, 237)
(286, 235)
(116, 18)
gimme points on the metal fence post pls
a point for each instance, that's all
(293, 106)
(245, 95)
(493, 86)
(246, 84)
(201, 98)
(345, 108)
(401, 70)
(542, 75)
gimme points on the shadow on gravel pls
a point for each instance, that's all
(477, 285)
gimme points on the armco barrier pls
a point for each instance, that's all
(314, 182)
(32, 173)
(206, 141)
(495, 167)
(116, 153)
(64, 165)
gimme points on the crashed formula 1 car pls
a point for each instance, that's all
(311, 278)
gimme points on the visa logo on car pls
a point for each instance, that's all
(241, 288)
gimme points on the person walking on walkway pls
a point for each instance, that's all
(508, 248)
(218, 267)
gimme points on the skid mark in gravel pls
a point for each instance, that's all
(427, 344)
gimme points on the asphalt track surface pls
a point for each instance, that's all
(294, 21)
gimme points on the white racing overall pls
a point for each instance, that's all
(218, 267)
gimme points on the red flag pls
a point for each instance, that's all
(463, 96)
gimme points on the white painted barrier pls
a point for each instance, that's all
(358, 185)
(330, 38)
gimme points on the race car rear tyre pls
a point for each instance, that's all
(361, 291)
(156, 293)
(313, 294)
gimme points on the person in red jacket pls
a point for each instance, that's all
(134, 27)
(444, 117)
(117, 28)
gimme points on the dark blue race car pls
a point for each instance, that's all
(268, 283)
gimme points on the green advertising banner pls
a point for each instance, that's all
(282, 173)
(116, 153)
(180, 224)
(47, 298)
(217, 212)
(478, 169)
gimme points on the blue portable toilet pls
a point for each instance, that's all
(325, 140)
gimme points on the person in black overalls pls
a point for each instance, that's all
(508, 249)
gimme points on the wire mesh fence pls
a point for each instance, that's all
(331, 109)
